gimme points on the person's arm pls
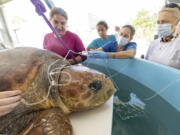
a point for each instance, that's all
(117, 55)
(92, 45)
(8, 101)
(92, 48)
(79, 47)
(108, 51)
(130, 51)
(99, 49)
(78, 59)
(104, 48)
(123, 54)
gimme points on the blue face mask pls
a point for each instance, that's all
(164, 30)
(122, 41)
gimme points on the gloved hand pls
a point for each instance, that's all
(98, 54)
(40, 8)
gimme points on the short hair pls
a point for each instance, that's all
(172, 5)
(131, 28)
(103, 23)
(59, 11)
(174, 11)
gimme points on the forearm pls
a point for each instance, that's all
(91, 48)
(99, 49)
(123, 54)
(77, 58)
(8, 101)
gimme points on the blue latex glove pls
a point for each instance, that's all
(40, 8)
(98, 54)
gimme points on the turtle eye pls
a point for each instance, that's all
(95, 86)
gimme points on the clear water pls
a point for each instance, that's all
(157, 118)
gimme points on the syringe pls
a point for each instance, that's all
(86, 53)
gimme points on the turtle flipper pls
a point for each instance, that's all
(49, 122)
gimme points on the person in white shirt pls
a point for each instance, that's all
(166, 49)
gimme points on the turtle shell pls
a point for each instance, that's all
(27, 69)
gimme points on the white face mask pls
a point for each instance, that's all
(164, 30)
(122, 41)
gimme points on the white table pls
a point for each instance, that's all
(93, 122)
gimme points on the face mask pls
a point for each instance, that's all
(122, 41)
(164, 30)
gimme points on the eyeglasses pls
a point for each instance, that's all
(59, 22)
(172, 5)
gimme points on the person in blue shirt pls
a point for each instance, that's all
(102, 28)
(121, 48)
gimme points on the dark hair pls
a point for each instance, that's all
(131, 28)
(59, 11)
(172, 5)
(103, 23)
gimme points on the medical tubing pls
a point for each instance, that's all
(40, 9)
(58, 36)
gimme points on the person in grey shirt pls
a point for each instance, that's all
(166, 49)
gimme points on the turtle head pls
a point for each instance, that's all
(83, 88)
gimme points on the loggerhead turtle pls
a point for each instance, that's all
(51, 89)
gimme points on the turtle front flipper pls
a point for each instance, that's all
(49, 122)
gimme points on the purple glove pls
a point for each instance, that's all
(40, 8)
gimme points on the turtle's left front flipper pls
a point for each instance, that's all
(49, 122)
